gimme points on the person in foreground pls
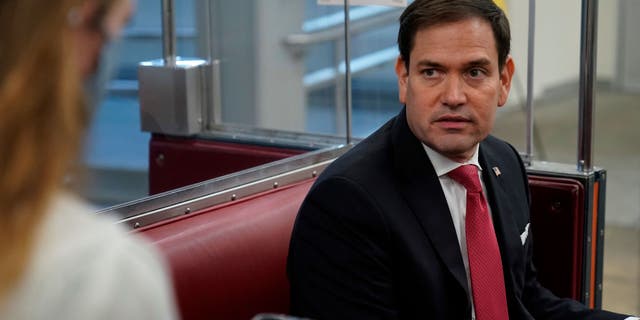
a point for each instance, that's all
(58, 259)
(428, 218)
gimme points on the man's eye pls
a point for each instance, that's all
(475, 73)
(429, 73)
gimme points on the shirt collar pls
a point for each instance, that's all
(444, 165)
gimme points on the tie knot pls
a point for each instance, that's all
(467, 175)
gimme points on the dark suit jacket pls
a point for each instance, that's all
(374, 238)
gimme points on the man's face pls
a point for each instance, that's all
(453, 86)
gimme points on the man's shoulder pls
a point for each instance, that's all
(371, 155)
(496, 148)
(496, 144)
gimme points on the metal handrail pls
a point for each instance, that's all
(359, 23)
(355, 21)
(588, 49)
(324, 77)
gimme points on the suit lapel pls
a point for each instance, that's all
(502, 208)
(421, 189)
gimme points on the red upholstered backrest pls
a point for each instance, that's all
(177, 162)
(229, 261)
(557, 220)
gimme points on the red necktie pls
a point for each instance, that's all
(485, 265)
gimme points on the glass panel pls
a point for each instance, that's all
(266, 82)
(616, 112)
(616, 137)
(261, 76)
(323, 82)
(373, 52)
(555, 85)
(117, 151)
(556, 113)
(282, 69)
(375, 93)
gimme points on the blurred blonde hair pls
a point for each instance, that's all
(42, 121)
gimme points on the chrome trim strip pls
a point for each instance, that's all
(561, 170)
(224, 196)
(269, 137)
(188, 199)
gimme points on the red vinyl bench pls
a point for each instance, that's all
(229, 261)
(176, 162)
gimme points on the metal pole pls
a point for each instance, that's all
(168, 33)
(347, 67)
(530, 56)
(207, 30)
(213, 111)
(588, 47)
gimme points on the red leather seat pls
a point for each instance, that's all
(229, 261)
(558, 222)
(176, 162)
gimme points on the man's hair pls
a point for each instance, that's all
(422, 14)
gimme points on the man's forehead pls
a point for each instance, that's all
(472, 38)
(457, 23)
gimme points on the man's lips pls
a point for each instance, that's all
(452, 122)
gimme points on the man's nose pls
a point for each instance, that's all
(453, 94)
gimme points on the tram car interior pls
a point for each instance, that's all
(238, 135)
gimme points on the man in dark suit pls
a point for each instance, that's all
(393, 229)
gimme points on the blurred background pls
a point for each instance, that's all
(282, 67)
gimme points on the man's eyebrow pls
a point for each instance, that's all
(482, 62)
(429, 63)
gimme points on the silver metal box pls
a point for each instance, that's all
(173, 98)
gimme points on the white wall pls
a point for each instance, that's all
(557, 42)
(280, 94)
(628, 66)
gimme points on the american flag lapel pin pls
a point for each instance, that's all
(496, 170)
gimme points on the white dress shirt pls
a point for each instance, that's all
(456, 196)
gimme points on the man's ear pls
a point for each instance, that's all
(403, 78)
(506, 75)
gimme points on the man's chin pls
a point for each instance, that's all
(455, 150)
